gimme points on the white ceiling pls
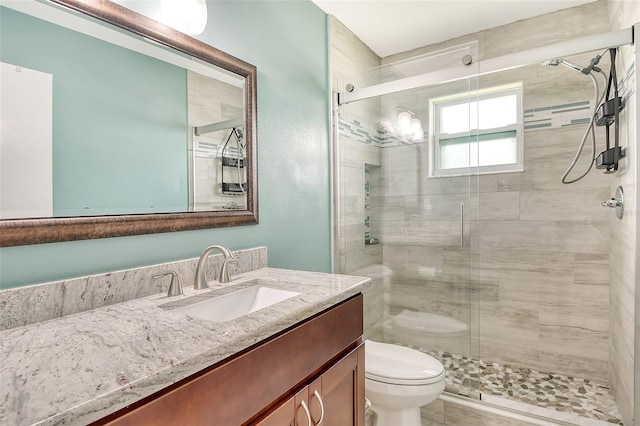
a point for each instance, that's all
(394, 26)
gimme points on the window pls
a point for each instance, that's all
(483, 131)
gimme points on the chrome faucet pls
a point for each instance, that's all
(201, 270)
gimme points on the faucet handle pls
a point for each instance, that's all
(201, 270)
(175, 287)
(225, 276)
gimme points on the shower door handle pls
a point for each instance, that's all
(461, 224)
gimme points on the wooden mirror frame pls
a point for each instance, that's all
(48, 230)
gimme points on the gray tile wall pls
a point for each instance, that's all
(623, 244)
(590, 18)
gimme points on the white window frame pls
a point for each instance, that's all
(435, 137)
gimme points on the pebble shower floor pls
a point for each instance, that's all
(571, 394)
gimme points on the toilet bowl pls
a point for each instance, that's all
(399, 381)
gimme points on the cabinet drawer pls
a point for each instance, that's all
(237, 390)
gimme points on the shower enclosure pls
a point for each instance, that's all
(408, 230)
(448, 195)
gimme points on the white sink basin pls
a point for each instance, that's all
(234, 305)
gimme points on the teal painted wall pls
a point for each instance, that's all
(114, 152)
(287, 41)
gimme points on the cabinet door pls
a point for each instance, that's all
(336, 398)
(281, 416)
(302, 414)
(293, 412)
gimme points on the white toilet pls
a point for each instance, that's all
(399, 381)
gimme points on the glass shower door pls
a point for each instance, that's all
(400, 220)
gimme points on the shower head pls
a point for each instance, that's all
(552, 62)
(586, 70)
(559, 61)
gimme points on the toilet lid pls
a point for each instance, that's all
(399, 365)
(427, 322)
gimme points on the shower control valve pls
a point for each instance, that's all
(612, 202)
(616, 202)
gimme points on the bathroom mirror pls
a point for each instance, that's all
(170, 146)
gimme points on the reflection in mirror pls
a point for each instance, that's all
(187, 16)
(218, 145)
(150, 127)
(112, 132)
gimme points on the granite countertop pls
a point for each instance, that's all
(82, 367)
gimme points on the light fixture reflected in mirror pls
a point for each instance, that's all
(187, 16)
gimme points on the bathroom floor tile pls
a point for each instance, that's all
(577, 395)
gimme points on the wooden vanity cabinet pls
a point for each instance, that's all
(267, 384)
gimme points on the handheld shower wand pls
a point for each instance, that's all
(588, 71)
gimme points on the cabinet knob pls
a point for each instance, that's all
(306, 411)
(317, 395)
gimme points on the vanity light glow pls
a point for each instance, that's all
(410, 126)
(187, 16)
(404, 122)
(417, 132)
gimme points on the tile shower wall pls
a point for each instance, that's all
(624, 234)
(543, 246)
